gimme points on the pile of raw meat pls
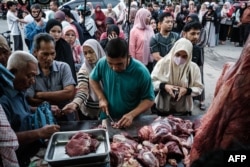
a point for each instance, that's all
(80, 144)
(165, 140)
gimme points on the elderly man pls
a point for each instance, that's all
(54, 80)
(4, 51)
(24, 67)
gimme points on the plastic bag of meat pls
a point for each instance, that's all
(227, 119)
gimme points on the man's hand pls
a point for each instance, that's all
(40, 23)
(126, 120)
(70, 108)
(46, 131)
(103, 104)
(56, 110)
(182, 92)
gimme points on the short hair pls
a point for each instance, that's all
(36, 6)
(42, 37)
(117, 48)
(149, 5)
(10, 3)
(20, 59)
(156, 3)
(55, 3)
(192, 25)
(68, 13)
(109, 4)
(163, 15)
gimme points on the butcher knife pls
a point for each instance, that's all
(111, 118)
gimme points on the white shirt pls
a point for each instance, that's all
(13, 23)
(28, 18)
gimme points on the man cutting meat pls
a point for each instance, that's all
(127, 87)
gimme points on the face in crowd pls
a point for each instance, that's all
(89, 55)
(118, 64)
(180, 58)
(153, 24)
(70, 37)
(46, 54)
(56, 32)
(36, 14)
(167, 24)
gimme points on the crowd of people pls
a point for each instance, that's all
(89, 64)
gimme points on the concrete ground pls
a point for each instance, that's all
(215, 58)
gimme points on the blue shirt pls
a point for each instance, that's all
(31, 30)
(123, 90)
(14, 103)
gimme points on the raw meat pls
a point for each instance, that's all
(147, 158)
(227, 119)
(80, 144)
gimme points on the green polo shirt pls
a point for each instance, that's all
(123, 90)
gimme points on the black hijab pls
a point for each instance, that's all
(63, 49)
(114, 28)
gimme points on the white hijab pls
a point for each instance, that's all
(99, 52)
(166, 71)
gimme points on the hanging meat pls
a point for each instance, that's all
(80, 144)
(227, 119)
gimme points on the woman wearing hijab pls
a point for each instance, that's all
(140, 35)
(209, 22)
(63, 49)
(236, 35)
(71, 36)
(180, 18)
(4, 51)
(202, 11)
(110, 21)
(112, 32)
(99, 21)
(153, 24)
(177, 79)
(226, 14)
(85, 99)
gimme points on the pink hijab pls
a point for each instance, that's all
(140, 23)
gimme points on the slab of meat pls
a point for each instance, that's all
(148, 159)
(123, 151)
(227, 119)
(158, 128)
(159, 150)
(174, 150)
(80, 144)
(181, 126)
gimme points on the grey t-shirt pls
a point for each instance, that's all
(161, 44)
(60, 77)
